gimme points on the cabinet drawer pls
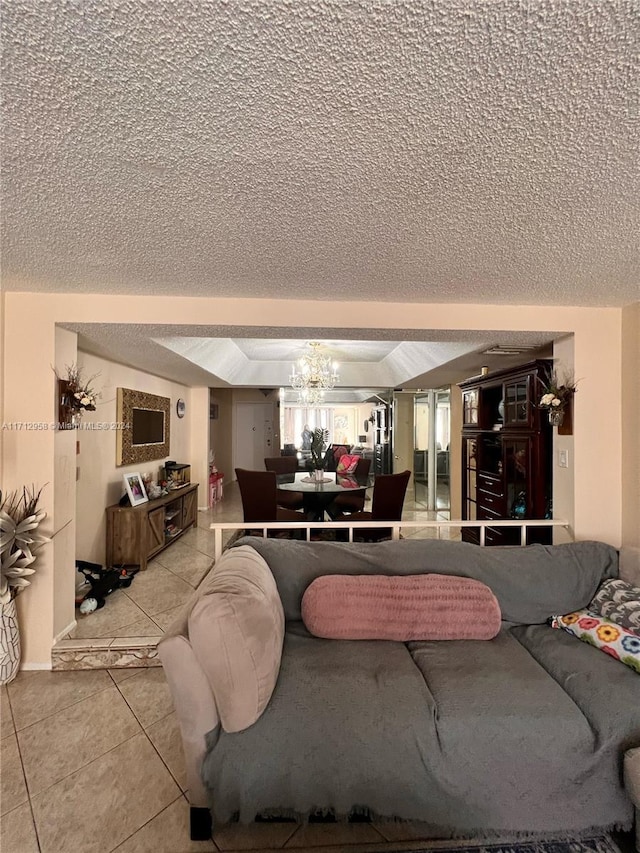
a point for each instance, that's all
(490, 484)
(495, 503)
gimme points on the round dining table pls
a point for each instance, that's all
(317, 496)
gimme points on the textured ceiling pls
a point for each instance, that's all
(450, 150)
(262, 357)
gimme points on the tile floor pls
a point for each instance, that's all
(92, 763)
(146, 607)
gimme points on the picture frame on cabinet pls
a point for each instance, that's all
(135, 489)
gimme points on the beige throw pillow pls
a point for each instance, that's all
(236, 629)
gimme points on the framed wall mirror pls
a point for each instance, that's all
(147, 427)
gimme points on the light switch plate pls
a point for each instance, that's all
(563, 458)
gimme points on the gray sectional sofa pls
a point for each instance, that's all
(533, 731)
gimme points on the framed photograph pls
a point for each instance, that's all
(135, 489)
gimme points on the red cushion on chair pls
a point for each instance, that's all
(419, 607)
(347, 464)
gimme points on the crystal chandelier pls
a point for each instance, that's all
(315, 374)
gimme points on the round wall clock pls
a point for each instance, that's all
(181, 408)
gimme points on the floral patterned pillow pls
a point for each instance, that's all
(619, 601)
(617, 641)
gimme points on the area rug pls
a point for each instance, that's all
(596, 844)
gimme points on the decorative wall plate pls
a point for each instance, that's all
(181, 408)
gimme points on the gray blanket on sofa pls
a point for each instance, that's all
(523, 733)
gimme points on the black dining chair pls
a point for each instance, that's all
(386, 505)
(258, 491)
(352, 502)
(285, 465)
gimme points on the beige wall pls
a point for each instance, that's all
(30, 458)
(563, 478)
(221, 431)
(631, 437)
(100, 482)
(64, 499)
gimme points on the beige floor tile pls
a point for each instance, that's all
(311, 835)
(254, 836)
(405, 830)
(6, 717)
(59, 745)
(36, 695)
(163, 620)
(148, 695)
(185, 562)
(144, 627)
(18, 833)
(201, 539)
(158, 589)
(119, 610)
(166, 833)
(122, 674)
(13, 790)
(104, 803)
(165, 736)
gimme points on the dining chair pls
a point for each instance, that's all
(352, 502)
(285, 465)
(258, 491)
(386, 505)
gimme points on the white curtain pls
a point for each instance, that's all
(297, 417)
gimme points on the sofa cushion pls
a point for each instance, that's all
(621, 643)
(347, 464)
(619, 601)
(237, 630)
(421, 607)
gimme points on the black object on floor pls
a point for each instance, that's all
(103, 581)
(201, 825)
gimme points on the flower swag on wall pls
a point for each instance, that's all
(557, 398)
(76, 395)
(20, 518)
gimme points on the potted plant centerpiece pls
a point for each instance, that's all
(19, 522)
(319, 460)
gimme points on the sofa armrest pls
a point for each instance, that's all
(195, 708)
(632, 784)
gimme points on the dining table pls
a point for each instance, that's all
(317, 495)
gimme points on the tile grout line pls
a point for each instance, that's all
(146, 823)
(24, 776)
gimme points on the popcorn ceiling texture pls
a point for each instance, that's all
(450, 151)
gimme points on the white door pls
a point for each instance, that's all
(253, 435)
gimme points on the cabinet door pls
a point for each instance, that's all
(517, 403)
(470, 401)
(155, 530)
(190, 509)
(517, 463)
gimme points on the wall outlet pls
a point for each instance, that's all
(563, 459)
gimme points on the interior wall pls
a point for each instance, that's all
(630, 438)
(563, 478)
(100, 483)
(64, 497)
(28, 456)
(221, 430)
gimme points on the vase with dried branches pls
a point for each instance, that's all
(20, 518)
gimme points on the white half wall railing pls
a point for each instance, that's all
(439, 526)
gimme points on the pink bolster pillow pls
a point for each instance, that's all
(417, 607)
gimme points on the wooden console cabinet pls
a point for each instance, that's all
(135, 534)
(506, 453)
